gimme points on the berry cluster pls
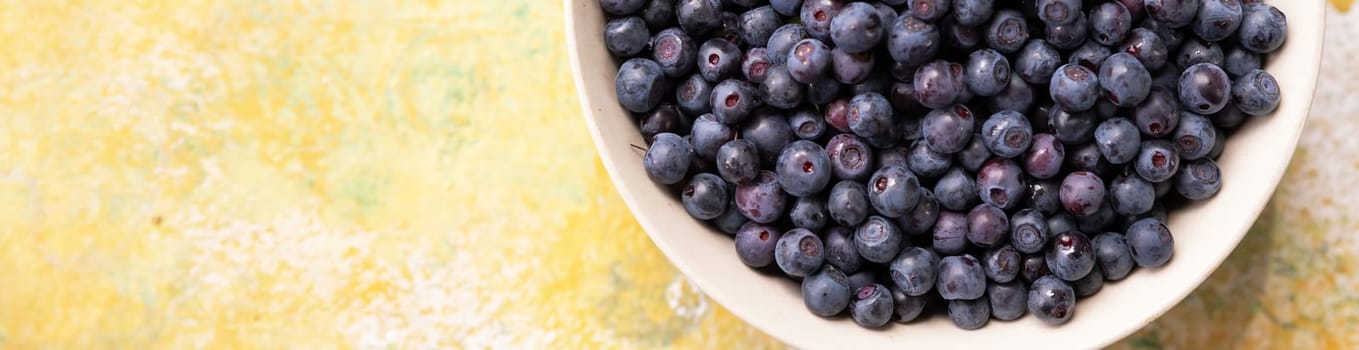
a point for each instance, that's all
(989, 158)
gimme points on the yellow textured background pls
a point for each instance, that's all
(416, 174)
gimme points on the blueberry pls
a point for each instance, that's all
(1147, 47)
(667, 160)
(755, 244)
(928, 164)
(920, 219)
(907, 308)
(1204, 88)
(1256, 92)
(719, 59)
(948, 130)
(1229, 117)
(973, 12)
(1195, 137)
(1018, 96)
(640, 85)
(738, 161)
(808, 124)
(709, 135)
(1135, 7)
(823, 91)
(893, 191)
(674, 52)
(731, 220)
(960, 278)
(848, 203)
(1075, 88)
(885, 12)
(786, 7)
(976, 153)
(1000, 183)
(1176, 13)
(762, 200)
(987, 225)
(872, 306)
(1042, 196)
(850, 157)
(730, 28)
(1035, 267)
(851, 68)
(1002, 263)
(1097, 221)
(902, 97)
(1090, 284)
(1008, 300)
(1263, 28)
(1068, 36)
(858, 27)
(987, 72)
(1131, 195)
(878, 240)
(1218, 146)
(782, 41)
(1052, 300)
(779, 90)
(840, 250)
(733, 100)
(799, 252)
(912, 41)
(659, 14)
(755, 65)
(869, 115)
(758, 24)
(1112, 255)
(1198, 180)
(1058, 11)
(818, 14)
(970, 314)
(1198, 51)
(665, 118)
(1037, 61)
(1118, 140)
(625, 37)
(1150, 242)
(808, 60)
(1070, 256)
(914, 271)
(1158, 161)
(705, 197)
(956, 190)
(861, 279)
(694, 95)
(1238, 61)
(826, 292)
(803, 168)
(1124, 80)
(898, 156)
(1072, 128)
(621, 7)
(1007, 32)
(929, 10)
(699, 17)
(1090, 55)
(1158, 115)
(1082, 193)
(1217, 19)
(1110, 23)
(1045, 157)
(811, 213)
(950, 233)
(1028, 231)
(935, 86)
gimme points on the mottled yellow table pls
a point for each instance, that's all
(374, 174)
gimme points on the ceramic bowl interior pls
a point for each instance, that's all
(1253, 163)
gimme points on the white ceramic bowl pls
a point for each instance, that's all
(1253, 163)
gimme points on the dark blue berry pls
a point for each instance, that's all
(1099, 220)
(1000, 182)
(936, 86)
(1195, 137)
(1263, 28)
(1072, 128)
(1124, 80)
(872, 306)
(758, 24)
(1217, 19)
(956, 190)
(960, 278)
(914, 271)
(987, 72)
(621, 7)
(1131, 195)
(738, 161)
(1070, 256)
(1058, 11)
(878, 240)
(799, 252)
(1037, 61)
(973, 12)
(1017, 96)
(699, 17)
(929, 10)
(694, 95)
(1110, 23)
(818, 14)
(1112, 256)
(1042, 196)
(1007, 32)
(640, 85)
(950, 233)
(731, 221)
(893, 191)
(625, 37)
(803, 168)
(734, 100)
(782, 41)
(1045, 156)
(665, 118)
(1035, 267)
(787, 8)
(851, 68)
(1204, 88)
(779, 90)
(948, 130)
(920, 219)
(1009, 300)
(848, 203)
(659, 14)
(1002, 264)
(1158, 161)
(1052, 300)
(1028, 231)
(850, 157)
(823, 91)
(1239, 61)
(1068, 36)
(762, 200)
(1256, 92)
(1090, 284)
(755, 65)
(970, 314)
(912, 41)
(667, 160)
(1196, 51)
(928, 164)
(987, 226)
(755, 244)
(808, 60)
(1147, 47)
(858, 27)
(1150, 242)
(1091, 55)
(976, 153)
(1082, 193)
(1158, 115)
(826, 292)
(1175, 13)
(1198, 180)
(840, 249)
(708, 135)
(1118, 140)
(908, 308)
(719, 59)
(808, 124)
(1075, 88)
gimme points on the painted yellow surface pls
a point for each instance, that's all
(416, 174)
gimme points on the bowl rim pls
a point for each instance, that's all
(1306, 33)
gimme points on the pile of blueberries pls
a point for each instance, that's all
(984, 158)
